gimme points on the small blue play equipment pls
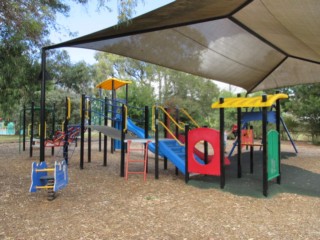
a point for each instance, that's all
(40, 179)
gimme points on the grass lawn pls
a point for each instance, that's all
(9, 138)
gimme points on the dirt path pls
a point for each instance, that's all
(98, 204)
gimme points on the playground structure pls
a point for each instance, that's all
(270, 140)
(60, 139)
(30, 130)
(50, 179)
(169, 148)
(182, 151)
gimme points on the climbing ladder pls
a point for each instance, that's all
(40, 179)
(129, 159)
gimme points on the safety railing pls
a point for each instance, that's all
(190, 118)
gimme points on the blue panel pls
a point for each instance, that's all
(36, 176)
(257, 116)
(61, 178)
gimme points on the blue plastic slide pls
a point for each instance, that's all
(169, 148)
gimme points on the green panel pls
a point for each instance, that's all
(273, 154)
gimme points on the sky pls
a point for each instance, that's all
(85, 20)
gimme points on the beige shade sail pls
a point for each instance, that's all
(253, 44)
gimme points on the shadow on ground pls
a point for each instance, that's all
(293, 179)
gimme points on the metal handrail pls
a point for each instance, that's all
(167, 114)
(169, 131)
(188, 115)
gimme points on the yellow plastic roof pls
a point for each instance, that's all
(249, 102)
(117, 83)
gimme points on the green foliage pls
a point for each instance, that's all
(25, 27)
(304, 103)
(73, 77)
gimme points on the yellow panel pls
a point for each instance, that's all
(249, 102)
(117, 83)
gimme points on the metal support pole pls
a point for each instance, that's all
(113, 114)
(146, 127)
(279, 139)
(265, 144)
(89, 130)
(239, 140)
(251, 153)
(156, 175)
(177, 133)
(165, 134)
(105, 142)
(205, 145)
(83, 113)
(222, 166)
(32, 127)
(66, 134)
(42, 104)
(53, 125)
(123, 147)
(186, 176)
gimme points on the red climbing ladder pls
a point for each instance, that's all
(144, 149)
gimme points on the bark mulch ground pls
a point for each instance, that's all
(99, 204)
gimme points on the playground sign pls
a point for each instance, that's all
(273, 154)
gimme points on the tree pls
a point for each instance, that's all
(304, 103)
(72, 77)
(24, 29)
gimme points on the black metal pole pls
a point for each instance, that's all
(156, 168)
(53, 125)
(222, 167)
(177, 133)
(42, 104)
(105, 142)
(24, 129)
(113, 114)
(239, 140)
(32, 126)
(279, 139)
(83, 112)
(205, 145)
(66, 134)
(101, 109)
(123, 147)
(186, 176)
(89, 130)
(146, 122)
(251, 153)
(146, 128)
(265, 144)
(165, 133)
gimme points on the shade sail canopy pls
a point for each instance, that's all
(244, 102)
(253, 44)
(112, 84)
